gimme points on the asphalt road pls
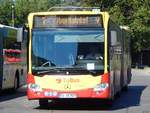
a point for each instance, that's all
(135, 100)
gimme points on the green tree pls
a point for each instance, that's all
(6, 12)
(140, 26)
(135, 14)
(103, 4)
(22, 9)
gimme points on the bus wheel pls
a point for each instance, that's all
(125, 88)
(43, 103)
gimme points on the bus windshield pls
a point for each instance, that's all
(80, 48)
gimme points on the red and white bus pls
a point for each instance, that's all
(76, 54)
(12, 57)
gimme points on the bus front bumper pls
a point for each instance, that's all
(52, 94)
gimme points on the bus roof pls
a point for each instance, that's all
(94, 12)
(73, 8)
(8, 31)
(5, 26)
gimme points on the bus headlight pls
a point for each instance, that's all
(35, 87)
(101, 87)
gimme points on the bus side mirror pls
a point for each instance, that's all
(26, 31)
(113, 38)
(20, 35)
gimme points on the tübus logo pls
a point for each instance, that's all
(67, 80)
(58, 80)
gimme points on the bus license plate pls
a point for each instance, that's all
(67, 95)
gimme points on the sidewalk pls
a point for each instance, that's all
(145, 71)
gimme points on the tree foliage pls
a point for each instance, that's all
(22, 9)
(5, 11)
(140, 25)
(133, 13)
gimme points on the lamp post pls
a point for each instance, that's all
(13, 14)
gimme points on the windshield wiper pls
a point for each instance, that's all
(92, 72)
(48, 63)
(56, 69)
(41, 72)
(59, 69)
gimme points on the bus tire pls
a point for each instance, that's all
(121, 82)
(43, 103)
(129, 75)
(113, 87)
(125, 88)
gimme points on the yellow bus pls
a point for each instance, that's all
(76, 53)
(12, 57)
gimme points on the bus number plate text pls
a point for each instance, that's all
(67, 95)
